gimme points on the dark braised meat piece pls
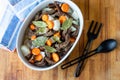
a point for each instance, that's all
(31, 60)
(67, 40)
(37, 17)
(41, 48)
(32, 57)
(69, 31)
(40, 17)
(58, 8)
(51, 5)
(41, 63)
(75, 33)
(68, 15)
(61, 54)
(49, 61)
(28, 57)
(49, 33)
(56, 14)
(68, 47)
(64, 33)
(29, 33)
(65, 50)
(63, 44)
(50, 12)
(48, 54)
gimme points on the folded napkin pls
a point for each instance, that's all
(12, 14)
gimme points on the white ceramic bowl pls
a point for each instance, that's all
(26, 23)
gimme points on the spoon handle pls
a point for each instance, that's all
(78, 59)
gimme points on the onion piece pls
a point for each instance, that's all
(25, 50)
(56, 25)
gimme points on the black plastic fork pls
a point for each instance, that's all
(92, 34)
(90, 39)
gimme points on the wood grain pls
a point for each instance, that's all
(99, 67)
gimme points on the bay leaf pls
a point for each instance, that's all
(67, 24)
(39, 24)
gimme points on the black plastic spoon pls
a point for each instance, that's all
(105, 46)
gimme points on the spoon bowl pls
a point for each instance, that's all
(107, 46)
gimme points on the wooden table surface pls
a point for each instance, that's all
(99, 67)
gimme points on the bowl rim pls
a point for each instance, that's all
(67, 54)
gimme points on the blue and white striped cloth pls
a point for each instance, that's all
(12, 13)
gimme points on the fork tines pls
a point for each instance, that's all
(95, 28)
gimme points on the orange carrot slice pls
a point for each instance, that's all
(36, 51)
(50, 24)
(49, 42)
(57, 34)
(65, 7)
(62, 19)
(32, 27)
(33, 37)
(55, 57)
(45, 17)
(38, 57)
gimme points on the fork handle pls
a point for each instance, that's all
(81, 64)
(79, 69)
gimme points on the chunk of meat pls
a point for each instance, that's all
(41, 63)
(50, 12)
(49, 61)
(75, 33)
(63, 44)
(49, 33)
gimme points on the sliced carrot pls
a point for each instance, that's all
(65, 7)
(32, 27)
(72, 39)
(62, 19)
(38, 57)
(50, 24)
(55, 57)
(57, 34)
(36, 51)
(33, 37)
(49, 42)
(45, 17)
